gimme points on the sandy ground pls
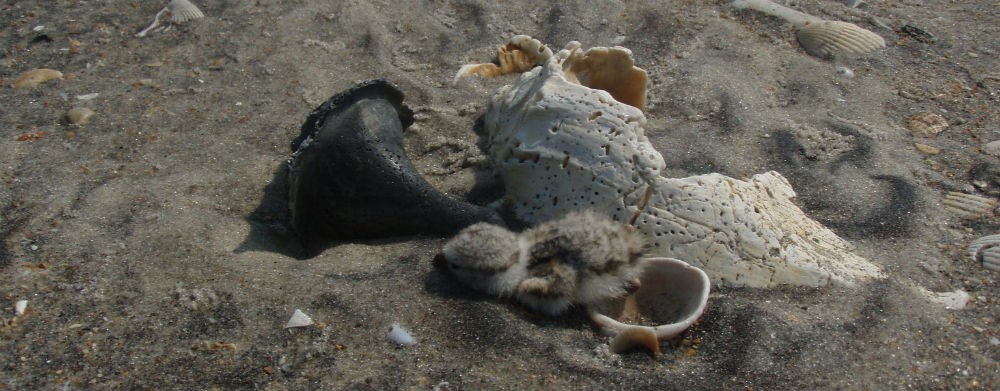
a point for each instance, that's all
(151, 248)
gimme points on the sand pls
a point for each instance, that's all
(150, 243)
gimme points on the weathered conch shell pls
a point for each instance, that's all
(820, 38)
(672, 295)
(349, 176)
(561, 146)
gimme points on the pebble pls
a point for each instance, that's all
(927, 149)
(79, 116)
(992, 148)
(994, 341)
(845, 71)
(36, 77)
(926, 124)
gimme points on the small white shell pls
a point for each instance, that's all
(987, 251)
(401, 336)
(20, 306)
(831, 38)
(299, 319)
(183, 10)
(969, 206)
(672, 293)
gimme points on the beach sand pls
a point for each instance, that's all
(151, 246)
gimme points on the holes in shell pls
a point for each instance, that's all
(594, 116)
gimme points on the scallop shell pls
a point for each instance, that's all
(182, 11)
(831, 38)
(672, 294)
(969, 206)
(36, 77)
(926, 124)
(561, 146)
(79, 116)
(987, 251)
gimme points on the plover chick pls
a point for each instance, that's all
(485, 257)
(580, 259)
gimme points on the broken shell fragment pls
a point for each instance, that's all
(986, 250)
(183, 10)
(298, 319)
(20, 307)
(672, 294)
(350, 178)
(969, 206)
(831, 39)
(79, 116)
(35, 77)
(926, 124)
(520, 54)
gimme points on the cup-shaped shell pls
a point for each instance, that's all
(672, 295)
(831, 38)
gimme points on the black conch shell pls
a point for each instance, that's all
(349, 177)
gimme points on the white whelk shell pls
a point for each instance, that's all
(969, 206)
(182, 11)
(986, 250)
(299, 319)
(672, 294)
(831, 38)
(560, 146)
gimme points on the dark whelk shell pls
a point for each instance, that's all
(349, 177)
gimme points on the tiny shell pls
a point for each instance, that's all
(299, 319)
(79, 116)
(986, 250)
(831, 38)
(183, 10)
(20, 306)
(400, 335)
(35, 77)
(926, 124)
(969, 206)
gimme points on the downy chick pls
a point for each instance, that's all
(582, 258)
(486, 258)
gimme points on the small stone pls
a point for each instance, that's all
(844, 71)
(927, 149)
(926, 124)
(79, 116)
(992, 148)
(36, 77)
(994, 341)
